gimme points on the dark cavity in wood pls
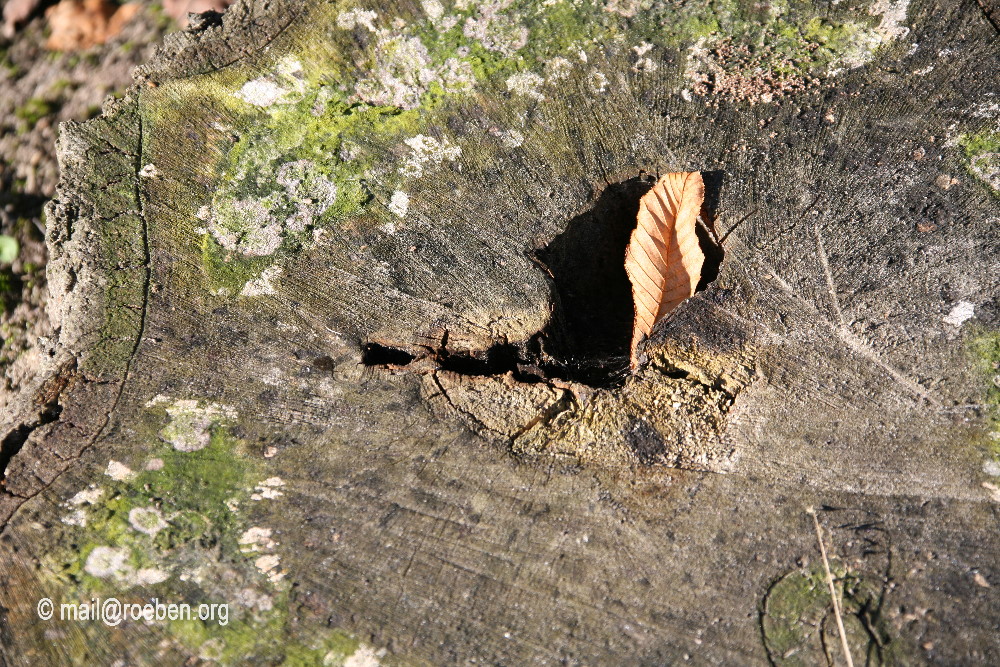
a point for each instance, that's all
(587, 338)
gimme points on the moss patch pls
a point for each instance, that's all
(175, 526)
(342, 110)
(149, 517)
(800, 629)
(982, 157)
(984, 349)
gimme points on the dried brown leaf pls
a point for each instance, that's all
(664, 258)
(80, 24)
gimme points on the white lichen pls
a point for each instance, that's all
(264, 285)
(626, 8)
(257, 538)
(261, 92)
(365, 656)
(893, 18)
(247, 226)
(403, 73)
(190, 424)
(962, 311)
(598, 81)
(433, 8)
(88, 496)
(75, 518)
(254, 599)
(511, 138)
(557, 69)
(148, 520)
(257, 226)
(427, 152)
(268, 489)
(399, 204)
(147, 576)
(495, 29)
(268, 564)
(103, 562)
(527, 84)
(119, 471)
(285, 85)
(456, 76)
(212, 650)
(353, 18)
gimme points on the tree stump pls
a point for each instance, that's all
(344, 328)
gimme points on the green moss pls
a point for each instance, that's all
(186, 510)
(984, 348)
(227, 271)
(795, 616)
(266, 641)
(34, 110)
(976, 144)
(982, 157)
(191, 493)
(350, 143)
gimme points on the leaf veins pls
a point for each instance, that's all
(664, 259)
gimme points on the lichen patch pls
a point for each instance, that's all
(265, 284)
(283, 86)
(191, 423)
(106, 562)
(399, 204)
(427, 153)
(960, 313)
(148, 520)
(118, 471)
(88, 496)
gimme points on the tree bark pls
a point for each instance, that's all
(344, 329)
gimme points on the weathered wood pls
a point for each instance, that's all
(342, 344)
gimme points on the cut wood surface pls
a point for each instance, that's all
(344, 326)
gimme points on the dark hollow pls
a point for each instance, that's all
(709, 210)
(373, 354)
(591, 325)
(587, 339)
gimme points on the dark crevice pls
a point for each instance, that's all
(14, 441)
(143, 314)
(992, 15)
(588, 337)
(708, 235)
(373, 354)
(590, 330)
(680, 374)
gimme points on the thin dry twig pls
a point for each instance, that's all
(833, 590)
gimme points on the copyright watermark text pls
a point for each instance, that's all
(112, 612)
